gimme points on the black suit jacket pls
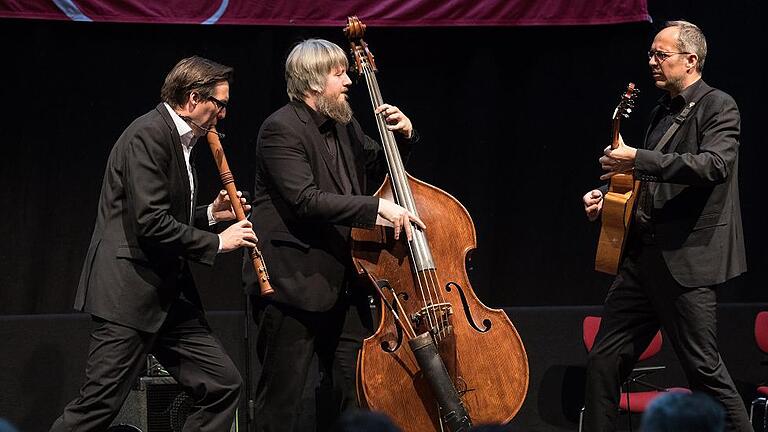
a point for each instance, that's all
(300, 213)
(696, 214)
(144, 234)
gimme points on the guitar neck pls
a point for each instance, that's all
(615, 132)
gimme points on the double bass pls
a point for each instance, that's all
(439, 359)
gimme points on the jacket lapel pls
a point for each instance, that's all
(194, 181)
(701, 91)
(318, 141)
(178, 154)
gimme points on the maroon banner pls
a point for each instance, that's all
(334, 12)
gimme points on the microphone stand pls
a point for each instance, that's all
(250, 412)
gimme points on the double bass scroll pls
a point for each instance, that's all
(228, 181)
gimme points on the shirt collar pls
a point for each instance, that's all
(185, 131)
(322, 121)
(682, 99)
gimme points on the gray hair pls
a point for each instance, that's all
(308, 65)
(690, 39)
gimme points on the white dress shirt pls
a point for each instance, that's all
(188, 140)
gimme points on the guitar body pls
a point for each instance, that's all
(618, 212)
(619, 203)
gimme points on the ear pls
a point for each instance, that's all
(691, 61)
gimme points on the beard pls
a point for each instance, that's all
(675, 84)
(336, 108)
(672, 84)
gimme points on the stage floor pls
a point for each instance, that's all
(43, 356)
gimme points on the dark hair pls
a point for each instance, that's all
(193, 74)
(683, 412)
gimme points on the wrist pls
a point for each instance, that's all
(211, 217)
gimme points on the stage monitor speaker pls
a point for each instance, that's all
(156, 404)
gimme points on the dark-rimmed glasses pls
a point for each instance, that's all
(221, 105)
(662, 55)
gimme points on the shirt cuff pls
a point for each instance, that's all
(211, 219)
(415, 137)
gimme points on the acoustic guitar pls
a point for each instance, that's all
(619, 202)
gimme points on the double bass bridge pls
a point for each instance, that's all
(433, 317)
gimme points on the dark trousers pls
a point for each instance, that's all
(184, 345)
(287, 340)
(643, 298)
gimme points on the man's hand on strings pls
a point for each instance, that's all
(618, 160)
(396, 119)
(399, 217)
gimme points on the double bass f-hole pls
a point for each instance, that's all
(467, 311)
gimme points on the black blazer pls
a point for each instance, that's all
(697, 215)
(300, 214)
(143, 234)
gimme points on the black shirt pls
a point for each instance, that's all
(669, 108)
(327, 128)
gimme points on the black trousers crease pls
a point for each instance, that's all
(643, 298)
(287, 340)
(188, 350)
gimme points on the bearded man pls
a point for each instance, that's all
(315, 173)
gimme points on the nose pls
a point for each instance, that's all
(347, 82)
(222, 113)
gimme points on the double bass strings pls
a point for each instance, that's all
(420, 256)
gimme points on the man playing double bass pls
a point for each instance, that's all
(315, 172)
(686, 237)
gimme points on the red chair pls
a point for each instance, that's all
(761, 337)
(631, 401)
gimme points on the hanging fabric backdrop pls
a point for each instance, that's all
(331, 12)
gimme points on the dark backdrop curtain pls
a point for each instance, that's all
(333, 12)
(512, 118)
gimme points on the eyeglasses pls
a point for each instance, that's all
(662, 55)
(221, 105)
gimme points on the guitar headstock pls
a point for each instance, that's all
(627, 102)
(354, 31)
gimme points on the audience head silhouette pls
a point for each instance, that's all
(364, 421)
(6, 426)
(682, 412)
